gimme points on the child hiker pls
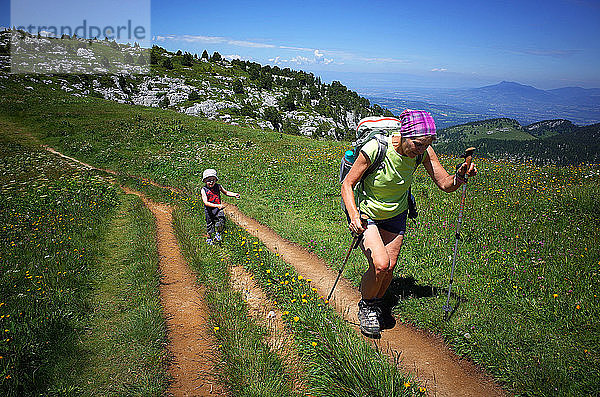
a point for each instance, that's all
(213, 208)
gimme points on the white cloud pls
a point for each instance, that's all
(241, 43)
(46, 33)
(190, 38)
(380, 60)
(316, 56)
(300, 60)
(319, 57)
(284, 47)
(439, 70)
(278, 61)
(558, 53)
(233, 56)
(211, 40)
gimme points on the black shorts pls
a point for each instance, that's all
(395, 225)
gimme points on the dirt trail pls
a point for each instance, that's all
(190, 343)
(423, 354)
(59, 154)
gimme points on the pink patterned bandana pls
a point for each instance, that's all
(416, 123)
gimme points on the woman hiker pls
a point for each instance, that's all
(384, 199)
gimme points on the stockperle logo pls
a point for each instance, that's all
(80, 37)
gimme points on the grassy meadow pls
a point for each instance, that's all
(526, 302)
(77, 281)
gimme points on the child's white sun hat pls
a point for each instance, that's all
(208, 173)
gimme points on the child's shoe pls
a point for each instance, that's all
(210, 241)
(218, 237)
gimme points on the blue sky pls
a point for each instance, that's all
(425, 43)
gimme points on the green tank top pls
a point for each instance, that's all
(384, 192)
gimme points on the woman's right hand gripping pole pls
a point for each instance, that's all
(358, 224)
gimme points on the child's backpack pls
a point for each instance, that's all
(379, 128)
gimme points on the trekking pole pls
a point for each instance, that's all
(468, 158)
(357, 238)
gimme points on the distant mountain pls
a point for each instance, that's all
(529, 104)
(546, 142)
(507, 99)
(576, 92)
(510, 91)
(578, 95)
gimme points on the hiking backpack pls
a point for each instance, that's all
(379, 128)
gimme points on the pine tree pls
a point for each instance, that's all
(167, 64)
(273, 116)
(237, 87)
(187, 60)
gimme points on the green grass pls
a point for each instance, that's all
(72, 273)
(529, 232)
(123, 350)
(248, 366)
(53, 221)
(334, 360)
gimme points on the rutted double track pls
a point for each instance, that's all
(423, 354)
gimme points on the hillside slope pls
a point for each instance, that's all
(236, 92)
(270, 98)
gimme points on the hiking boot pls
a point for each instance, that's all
(210, 241)
(218, 237)
(368, 316)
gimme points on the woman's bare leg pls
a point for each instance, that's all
(393, 244)
(379, 263)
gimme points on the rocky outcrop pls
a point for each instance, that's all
(205, 94)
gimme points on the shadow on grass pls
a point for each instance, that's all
(405, 287)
